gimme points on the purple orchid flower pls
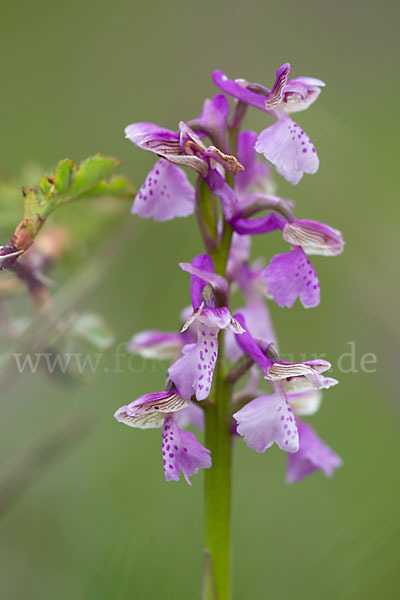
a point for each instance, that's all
(284, 143)
(272, 418)
(180, 449)
(292, 275)
(192, 373)
(167, 192)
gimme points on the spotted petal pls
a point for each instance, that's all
(182, 452)
(193, 372)
(268, 420)
(292, 275)
(288, 148)
(166, 194)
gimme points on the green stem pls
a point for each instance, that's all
(218, 439)
(218, 488)
(217, 581)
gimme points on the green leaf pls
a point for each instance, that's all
(45, 185)
(93, 329)
(118, 186)
(90, 172)
(62, 175)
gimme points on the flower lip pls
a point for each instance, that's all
(287, 147)
(182, 452)
(267, 420)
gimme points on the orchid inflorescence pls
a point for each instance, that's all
(234, 199)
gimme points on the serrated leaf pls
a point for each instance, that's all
(90, 172)
(118, 186)
(93, 329)
(62, 175)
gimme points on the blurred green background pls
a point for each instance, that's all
(101, 522)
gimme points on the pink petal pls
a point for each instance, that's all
(165, 194)
(292, 275)
(268, 420)
(193, 372)
(288, 148)
(182, 452)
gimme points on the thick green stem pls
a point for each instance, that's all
(218, 439)
(217, 580)
(218, 488)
